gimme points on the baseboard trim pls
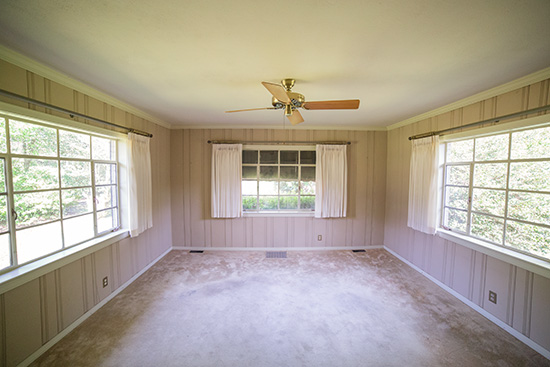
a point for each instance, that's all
(82, 318)
(186, 248)
(524, 339)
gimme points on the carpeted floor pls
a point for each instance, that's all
(330, 308)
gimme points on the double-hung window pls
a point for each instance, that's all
(278, 179)
(58, 188)
(497, 189)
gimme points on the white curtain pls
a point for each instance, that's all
(423, 185)
(140, 193)
(331, 181)
(226, 180)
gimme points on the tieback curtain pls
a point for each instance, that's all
(226, 180)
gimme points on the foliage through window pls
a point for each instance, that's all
(278, 179)
(58, 188)
(497, 189)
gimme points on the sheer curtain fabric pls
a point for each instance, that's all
(140, 192)
(423, 185)
(226, 180)
(331, 181)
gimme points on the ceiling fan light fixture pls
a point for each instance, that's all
(288, 110)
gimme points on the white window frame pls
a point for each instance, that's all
(19, 273)
(525, 260)
(279, 212)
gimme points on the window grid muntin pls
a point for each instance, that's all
(506, 218)
(10, 192)
(278, 180)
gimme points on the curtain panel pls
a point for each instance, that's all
(226, 181)
(331, 181)
(423, 188)
(140, 193)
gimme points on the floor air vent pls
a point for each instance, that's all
(358, 250)
(196, 251)
(275, 255)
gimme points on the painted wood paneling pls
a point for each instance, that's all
(523, 299)
(190, 180)
(35, 312)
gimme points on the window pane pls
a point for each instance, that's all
(31, 243)
(288, 202)
(75, 174)
(527, 237)
(289, 157)
(74, 145)
(78, 229)
(308, 188)
(460, 151)
(269, 156)
(530, 176)
(307, 157)
(456, 219)
(308, 173)
(487, 228)
(103, 149)
(307, 202)
(2, 176)
(249, 202)
(489, 201)
(37, 207)
(249, 187)
(268, 187)
(531, 143)
(268, 202)
(492, 148)
(3, 147)
(5, 254)
(288, 187)
(76, 201)
(106, 197)
(269, 172)
(32, 139)
(34, 174)
(106, 220)
(456, 197)
(490, 175)
(105, 174)
(250, 156)
(529, 206)
(289, 172)
(3, 213)
(250, 172)
(458, 175)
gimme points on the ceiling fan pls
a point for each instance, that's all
(284, 98)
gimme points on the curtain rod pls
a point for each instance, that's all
(72, 114)
(279, 142)
(492, 120)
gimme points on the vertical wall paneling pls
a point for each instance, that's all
(522, 297)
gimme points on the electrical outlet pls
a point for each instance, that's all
(319, 238)
(493, 297)
(105, 282)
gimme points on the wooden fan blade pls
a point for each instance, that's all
(253, 109)
(277, 91)
(346, 104)
(295, 118)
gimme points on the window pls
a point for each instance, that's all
(497, 189)
(278, 179)
(58, 188)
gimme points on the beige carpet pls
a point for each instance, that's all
(330, 308)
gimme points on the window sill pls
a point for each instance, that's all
(279, 214)
(25, 273)
(523, 261)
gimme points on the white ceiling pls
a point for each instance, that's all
(186, 62)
